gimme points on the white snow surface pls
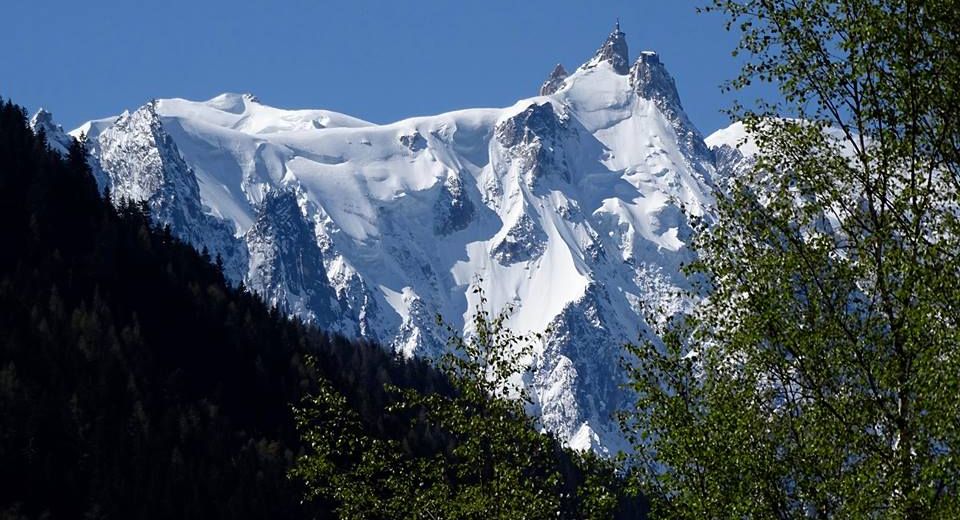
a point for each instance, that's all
(566, 206)
(735, 136)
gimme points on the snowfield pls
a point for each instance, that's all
(571, 206)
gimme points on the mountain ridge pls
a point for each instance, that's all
(571, 206)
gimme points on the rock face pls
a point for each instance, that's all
(566, 207)
(524, 241)
(453, 209)
(414, 142)
(143, 163)
(554, 81)
(533, 139)
(286, 263)
(651, 80)
(734, 152)
(536, 123)
(57, 139)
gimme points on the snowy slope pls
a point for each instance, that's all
(736, 137)
(571, 206)
(735, 149)
(57, 139)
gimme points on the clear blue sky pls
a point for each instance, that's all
(377, 60)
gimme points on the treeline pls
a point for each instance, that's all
(135, 382)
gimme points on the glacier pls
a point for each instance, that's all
(573, 207)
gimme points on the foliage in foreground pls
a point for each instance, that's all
(489, 462)
(820, 378)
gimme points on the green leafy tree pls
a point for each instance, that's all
(819, 376)
(490, 462)
(369, 489)
(499, 466)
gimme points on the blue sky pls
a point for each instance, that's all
(377, 60)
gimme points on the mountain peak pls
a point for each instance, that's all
(42, 116)
(57, 139)
(613, 51)
(547, 199)
(650, 79)
(554, 80)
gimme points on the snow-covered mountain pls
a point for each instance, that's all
(571, 206)
(42, 123)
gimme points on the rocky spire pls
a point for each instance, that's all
(614, 51)
(42, 117)
(57, 139)
(650, 79)
(554, 80)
